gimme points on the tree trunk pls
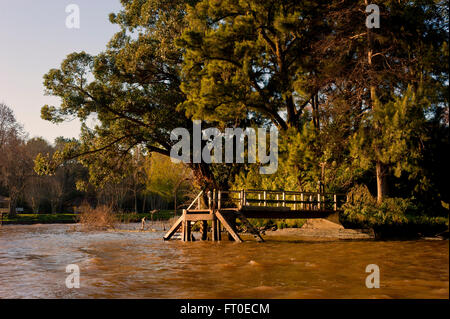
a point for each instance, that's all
(12, 207)
(381, 182)
(380, 169)
(203, 176)
(315, 111)
(143, 203)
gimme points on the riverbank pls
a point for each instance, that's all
(322, 229)
(325, 229)
(409, 227)
(313, 228)
(31, 219)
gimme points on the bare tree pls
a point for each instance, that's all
(9, 127)
(16, 168)
(15, 164)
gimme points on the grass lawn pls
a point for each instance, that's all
(72, 218)
(40, 218)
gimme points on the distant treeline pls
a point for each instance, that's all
(68, 187)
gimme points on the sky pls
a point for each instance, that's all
(34, 39)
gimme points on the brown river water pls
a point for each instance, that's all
(131, 264)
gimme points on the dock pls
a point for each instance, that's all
(218, 211)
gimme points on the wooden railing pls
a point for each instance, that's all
(197, 200)
(270, 198)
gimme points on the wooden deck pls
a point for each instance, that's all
(223, 208)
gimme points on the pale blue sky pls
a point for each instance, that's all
(34, 39)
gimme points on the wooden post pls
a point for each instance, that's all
(265, 198)
(241, 197)
(209, 200)
(278, 198)
(188, 230)
(319, 206)
(295, 202)
(219, 233)
(310, 202)
(335, 202)
(214, 229)
(214, 199)
(284, 199)
(244, 196)
(302, 206)
(259, 199)
(183, 230)
(204, 230)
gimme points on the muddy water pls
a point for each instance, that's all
(126, 264)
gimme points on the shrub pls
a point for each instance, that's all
(278, 223)
(362, 209)
(290, 223)
(101, 217)
(393, 217)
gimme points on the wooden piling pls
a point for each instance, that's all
(214, 230)
(204, 230)
(188, 230)
(219, 232)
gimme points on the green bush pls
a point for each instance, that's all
(278, 223)
(394, 216)
(363, 209)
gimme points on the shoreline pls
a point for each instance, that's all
(37, 222)
(321, 229)
(344, 234)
